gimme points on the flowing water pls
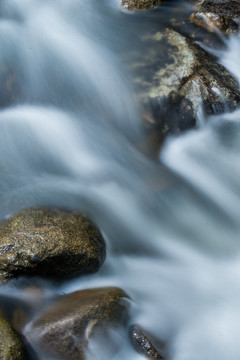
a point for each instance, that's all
(69, 126)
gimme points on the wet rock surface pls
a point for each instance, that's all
(143, 344)
(49, 242)
(140, 4)
(65, 327)
(11, 347)
(217, 15)
(174, 88)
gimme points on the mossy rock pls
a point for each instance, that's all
(176, 76)
(49, 242)
(65, 327)
(11, 347)
(141, 4)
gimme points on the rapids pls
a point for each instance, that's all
(67, 138)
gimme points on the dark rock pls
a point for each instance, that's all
(217, 14)
(174, 88)
(142, 344)
(141, 4)
(65, 327)
(11, 347)
(49, 242)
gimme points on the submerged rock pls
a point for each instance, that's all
(217, 15)
(11, 347)
(65, 327)
(142, 344)
(176, 76)
(140, 4)
(49, 242)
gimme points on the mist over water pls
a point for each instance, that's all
(68, 138)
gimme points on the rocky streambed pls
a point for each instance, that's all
(177, 75)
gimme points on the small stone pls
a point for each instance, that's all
(11, 347)
(49, 242)
(142, 343)
(65, 327)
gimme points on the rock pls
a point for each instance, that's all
(217, 15)
(142, 343)
(11, 347)
(140, 4)
(48, 242)
(174, 89)
(65, 327)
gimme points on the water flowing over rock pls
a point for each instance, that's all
(11, 347)
(215, 14)
(189, 78)
(65, 327)
(49, 242)
(140, 4)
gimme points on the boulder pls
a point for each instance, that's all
(140, 4)
(175, 76)
(49, 242)
(218, 15)
(65, 327)
(11, 347)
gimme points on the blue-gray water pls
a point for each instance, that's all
(68, 128)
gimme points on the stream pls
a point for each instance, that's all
(69, 125)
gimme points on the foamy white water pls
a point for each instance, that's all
(68, 139)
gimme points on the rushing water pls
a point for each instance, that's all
(68, 128)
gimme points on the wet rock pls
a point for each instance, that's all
(173, 89)
(217, 15)
(11, 347)
(65, 327)
(140, 4)
(142, 344)
(48, 242)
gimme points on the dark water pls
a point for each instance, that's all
(69, 126)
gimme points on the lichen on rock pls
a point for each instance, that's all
(188, 77)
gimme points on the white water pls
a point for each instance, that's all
(69, 140)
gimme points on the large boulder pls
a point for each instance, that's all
(66, 326)
(11, 347)
(49, 242)
(175, 77)
(141, 4)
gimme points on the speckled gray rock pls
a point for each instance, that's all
(217, 15)
(175, 76)
(140, 4)
(49, 242)
(65, 327)
(11, 347)
(143, 344)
